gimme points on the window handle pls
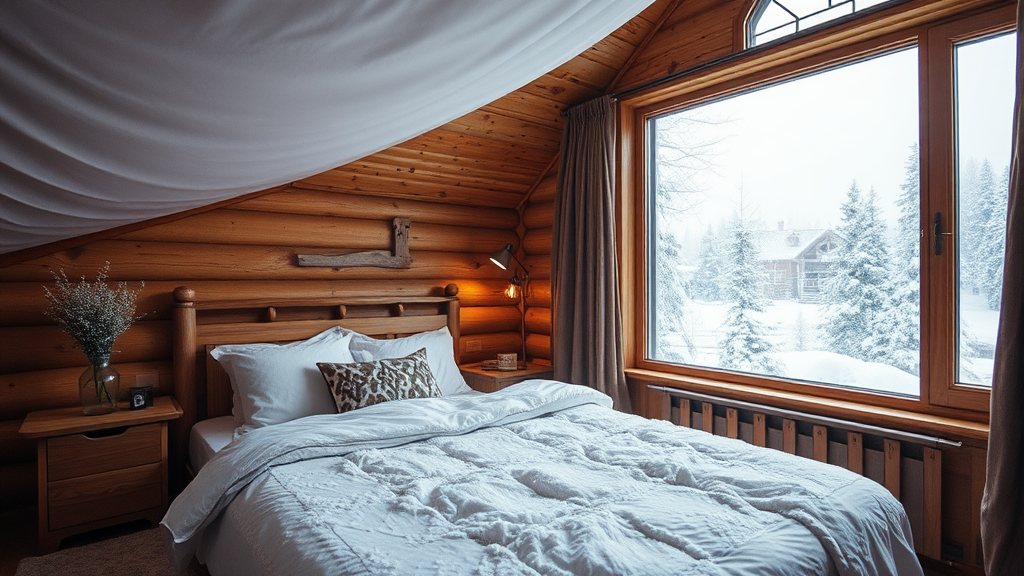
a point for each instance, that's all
(938, 234)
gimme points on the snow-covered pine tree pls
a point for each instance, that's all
(993, 239)
(971, 220)
(976, 261)
(855, 292)
(908, 237)
(707, 280)
(670, 300)
(744, 345)
(896, 333)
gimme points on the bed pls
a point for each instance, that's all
(539, 478)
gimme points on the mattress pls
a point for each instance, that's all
(207, 438)
(539, 478)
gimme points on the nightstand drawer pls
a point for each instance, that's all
(80, 500)
(85, 454)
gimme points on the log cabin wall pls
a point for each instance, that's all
(538, 219)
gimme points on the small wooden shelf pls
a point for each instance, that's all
(494, 380)
(97, 471)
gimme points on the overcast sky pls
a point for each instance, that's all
(795, 148)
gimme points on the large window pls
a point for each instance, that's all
(839, 226)
(984, 72)
(786, 230)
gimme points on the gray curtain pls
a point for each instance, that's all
(1002, 508)
(587, 325)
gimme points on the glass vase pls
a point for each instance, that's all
(97, 388)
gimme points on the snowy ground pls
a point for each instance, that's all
(981, 323)
(796, 335)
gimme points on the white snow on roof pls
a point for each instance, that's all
(777, 244)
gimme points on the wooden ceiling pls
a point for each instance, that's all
(495, 156)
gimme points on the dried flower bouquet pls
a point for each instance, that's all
(93, 315)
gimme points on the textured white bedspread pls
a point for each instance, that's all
(584, 490)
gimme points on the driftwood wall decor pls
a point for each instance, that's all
(398, 258)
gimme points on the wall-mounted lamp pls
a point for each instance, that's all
(518, 286)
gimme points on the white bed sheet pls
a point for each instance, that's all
(403, 488)
(207, 438)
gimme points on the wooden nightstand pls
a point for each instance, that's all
(96, 471)
(493, 380)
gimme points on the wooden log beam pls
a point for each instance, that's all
(538, 242)
(538, 320)
(540, 178)
(355, 207)
(194, 261)
(489, 319)
(487, 124)
(34, 347)
(541, 296)
(36, 252)
(539, 266)
(480, 347)
(540, 215)
(24, 392)
(644, 42)
(546, 192)
(23, 302)
(356, 180)
(245, 227)
(538, 346)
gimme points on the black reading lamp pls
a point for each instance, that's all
(518, 286)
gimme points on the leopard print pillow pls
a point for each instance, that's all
(360, 384)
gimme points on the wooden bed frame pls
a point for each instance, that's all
(203, 389)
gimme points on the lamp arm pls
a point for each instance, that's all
(522, 266)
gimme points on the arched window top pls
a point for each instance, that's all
(772, 19)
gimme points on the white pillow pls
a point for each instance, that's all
(276, 383)
(440, 355)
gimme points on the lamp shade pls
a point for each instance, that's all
(502, 257)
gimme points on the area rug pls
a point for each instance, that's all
(140, 553)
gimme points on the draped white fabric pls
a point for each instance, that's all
(114, 112)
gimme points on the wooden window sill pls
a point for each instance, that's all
(971, 433)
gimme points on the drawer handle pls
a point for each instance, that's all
(106, 433)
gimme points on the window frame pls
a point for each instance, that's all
(760, 6)
(873, 32)
(942, 387)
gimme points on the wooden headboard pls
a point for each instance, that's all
(201, 386)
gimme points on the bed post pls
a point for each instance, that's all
(184, 350)
(452, 291)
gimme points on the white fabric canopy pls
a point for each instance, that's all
(114, 112)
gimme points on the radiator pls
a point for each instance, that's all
(908, 465)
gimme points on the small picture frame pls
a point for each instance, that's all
(140, 397)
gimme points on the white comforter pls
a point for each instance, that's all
(404, 488)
